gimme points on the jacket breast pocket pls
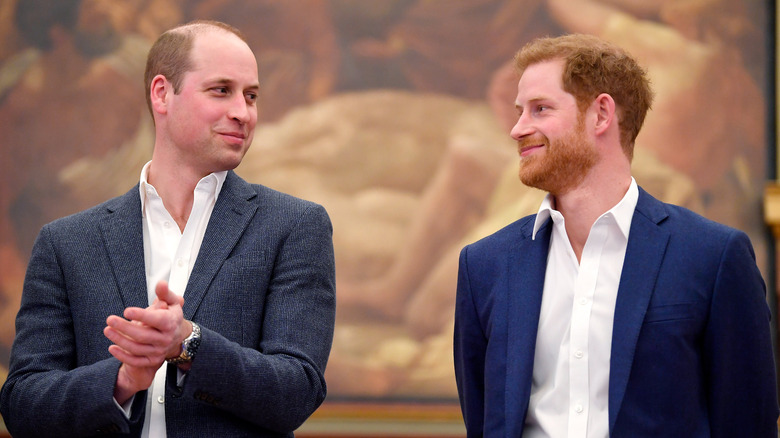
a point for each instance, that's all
(234, 303)
(673, 312)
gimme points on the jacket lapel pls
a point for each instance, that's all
(232, 213)
(645, 251)
(122, 231)
(526, 266)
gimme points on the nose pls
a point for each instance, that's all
(240, 110)
(522, 127)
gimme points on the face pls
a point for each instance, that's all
(96, 33)
(555, 151)
(210, 123)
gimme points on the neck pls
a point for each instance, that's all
(584, 204)
(176, 187)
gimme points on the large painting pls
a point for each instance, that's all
(395, 116)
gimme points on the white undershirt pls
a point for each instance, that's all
(170, 254)
(569, 392)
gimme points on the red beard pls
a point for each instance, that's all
(563, 163)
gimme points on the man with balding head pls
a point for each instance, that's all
(196, 304)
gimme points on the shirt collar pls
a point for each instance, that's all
(623, 212)
(145, 187)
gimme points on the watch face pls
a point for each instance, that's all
(189, 347)
(192, 342)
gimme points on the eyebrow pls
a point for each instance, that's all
(226, 81)
(533, 101)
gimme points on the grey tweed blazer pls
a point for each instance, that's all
(262, 289)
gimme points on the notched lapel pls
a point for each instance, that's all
(526, 267)
(122, 231)
(647, 244)
(232, 213)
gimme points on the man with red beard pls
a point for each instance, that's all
(608, 313)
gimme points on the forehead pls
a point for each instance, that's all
(541, 80)
(221, 54)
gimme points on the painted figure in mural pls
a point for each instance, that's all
(73, 57)
(194, 302)
(608, 312)
(432, 48)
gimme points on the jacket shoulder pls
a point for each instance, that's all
(91, 216)
(506, 236)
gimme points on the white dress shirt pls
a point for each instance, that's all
(170, 254)
(569, 392)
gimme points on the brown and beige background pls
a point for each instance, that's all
(393, 114)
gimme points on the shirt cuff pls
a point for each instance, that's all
(126, 407)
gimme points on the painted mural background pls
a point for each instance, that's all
(394, 115)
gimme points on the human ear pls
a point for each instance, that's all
(604, 107)
(159, 89)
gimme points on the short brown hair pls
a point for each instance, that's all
(170, 54)
(593, 66)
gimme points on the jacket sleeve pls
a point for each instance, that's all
(469, 348)
(738, 349)
(46, 392)
(279, 383)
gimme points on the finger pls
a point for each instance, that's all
(162, 330)
(135, 335)
(158, 304)
(129, 310)
(164, 293)
(156, 353)
(136, 313)
(165, 320)
(133, 360)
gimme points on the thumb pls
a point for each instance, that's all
(165, 294)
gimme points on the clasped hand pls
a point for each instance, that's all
(145, 339)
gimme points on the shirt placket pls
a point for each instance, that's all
(585, 286)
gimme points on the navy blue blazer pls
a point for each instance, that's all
(691, 348)
(262, 289)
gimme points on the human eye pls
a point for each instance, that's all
(220, 90)
(251, 97)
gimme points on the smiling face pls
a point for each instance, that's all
(555, 151)
(209, 124)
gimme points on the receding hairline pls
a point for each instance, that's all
(202, 27)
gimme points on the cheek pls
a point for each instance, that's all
(253, 111)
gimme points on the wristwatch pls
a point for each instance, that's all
(189, 346)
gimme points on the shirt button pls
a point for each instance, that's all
(578, 409)
(180, 262)
(167, 224)
(584, 301)
(578, 354)
(160, 399)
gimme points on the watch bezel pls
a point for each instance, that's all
(189, 346)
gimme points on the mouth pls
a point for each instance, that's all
(240, 135)
(234, 136)
(526, 150)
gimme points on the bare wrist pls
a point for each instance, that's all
(125, 387)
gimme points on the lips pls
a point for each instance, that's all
(237, 138)
(528, 145)
(240, 135)
(525, 150)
